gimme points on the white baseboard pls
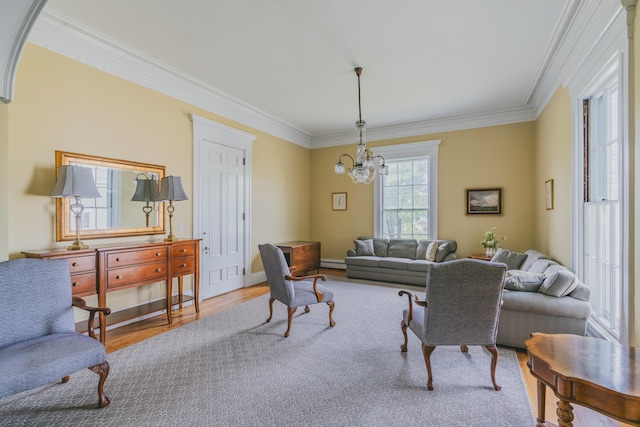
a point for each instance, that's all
(333, 263)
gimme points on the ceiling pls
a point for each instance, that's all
(294, 60)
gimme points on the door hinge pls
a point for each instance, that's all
(244, 216)
(244, 161)
(244, 271)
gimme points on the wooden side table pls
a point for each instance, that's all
(591, 372)
(482, 257)
(305, 256)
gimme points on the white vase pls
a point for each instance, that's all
(490, 252)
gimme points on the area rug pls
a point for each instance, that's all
(233, 369)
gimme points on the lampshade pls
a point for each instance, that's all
(171, 189)
(146, 190)
(75, 181)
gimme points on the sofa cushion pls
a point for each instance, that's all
(421, 251)
(363, 261)
(394, 263)
(511, 258)
(443, 250)
(431, 251)
(364, 247)
(524, 283)
(541, 265)
(538, 303)
(421, 265)
(559, 283)
(380, 245)
(532, 256)
(402, 248)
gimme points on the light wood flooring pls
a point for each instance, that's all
(130, 334)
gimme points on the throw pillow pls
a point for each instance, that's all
(524, 281)
(431, 251)
(364, 247)
(511, 258)
(559, 283)
(443, 251)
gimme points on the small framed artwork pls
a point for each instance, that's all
(548, 194)
(339, 201)
(484, 201)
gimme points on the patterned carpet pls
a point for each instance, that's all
(232, 369)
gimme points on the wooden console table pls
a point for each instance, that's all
(591, 372)
(106, 268)
(305, 256)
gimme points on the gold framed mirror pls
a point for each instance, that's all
(114, 214)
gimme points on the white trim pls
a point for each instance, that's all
(610, 50)
(15, 25)
(406, 151)
(237, 139)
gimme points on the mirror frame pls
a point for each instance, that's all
(63, 212)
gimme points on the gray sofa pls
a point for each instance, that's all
(540, 295)
(396, 260)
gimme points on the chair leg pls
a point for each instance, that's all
(403, 347)
(426, 351)
(291, 311)
(331, 305)
(306, 309)
(271, 300)
(464, 349)
(103, 370)
(494, 363)
(65, 379)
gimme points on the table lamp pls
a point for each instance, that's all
(77, 182)
(171, 190)
(146, 191)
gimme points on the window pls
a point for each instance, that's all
(405, 201)
(602, 209)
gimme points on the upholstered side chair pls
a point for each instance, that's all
(461, 307)
(39, 344)
(292, 291)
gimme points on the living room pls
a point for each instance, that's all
(64, 104)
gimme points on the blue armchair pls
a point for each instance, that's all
(38, 341)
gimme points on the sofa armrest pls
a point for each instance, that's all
(82, 304)
(351, 252)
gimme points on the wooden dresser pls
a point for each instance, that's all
(106, 268)
(305, 256)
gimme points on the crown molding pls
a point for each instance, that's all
(60, 34)
(590, 22)
(470, 120)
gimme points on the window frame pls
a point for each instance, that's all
(414, 150)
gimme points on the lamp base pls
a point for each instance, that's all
(170, 238)
(77, 245)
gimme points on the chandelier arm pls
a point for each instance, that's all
(352, 161)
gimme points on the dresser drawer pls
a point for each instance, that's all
(183, 249)
(135, 257)
(82, 263)
(83, 283)
(182, 266)
(137, 274)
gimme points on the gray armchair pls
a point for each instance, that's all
(38, 341)
(292, 291)
(461, 307)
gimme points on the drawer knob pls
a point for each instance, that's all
(118, 277)
(75, 284)
(183, 250)
(183, 265)
(118, 259)
(158, 253)
(158, 270)
(74, 264)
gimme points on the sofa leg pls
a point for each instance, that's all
(65, 379)
(103, 370)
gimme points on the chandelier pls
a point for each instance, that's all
(363, 169)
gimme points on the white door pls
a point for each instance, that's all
(221, 207)
(222, 174)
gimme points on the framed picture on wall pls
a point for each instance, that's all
(484, 201)
(548, 194)
(339, 201)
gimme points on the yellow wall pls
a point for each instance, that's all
(553, 160)
(61, 104)
(496, 156)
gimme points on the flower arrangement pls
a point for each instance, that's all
(490, 240)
